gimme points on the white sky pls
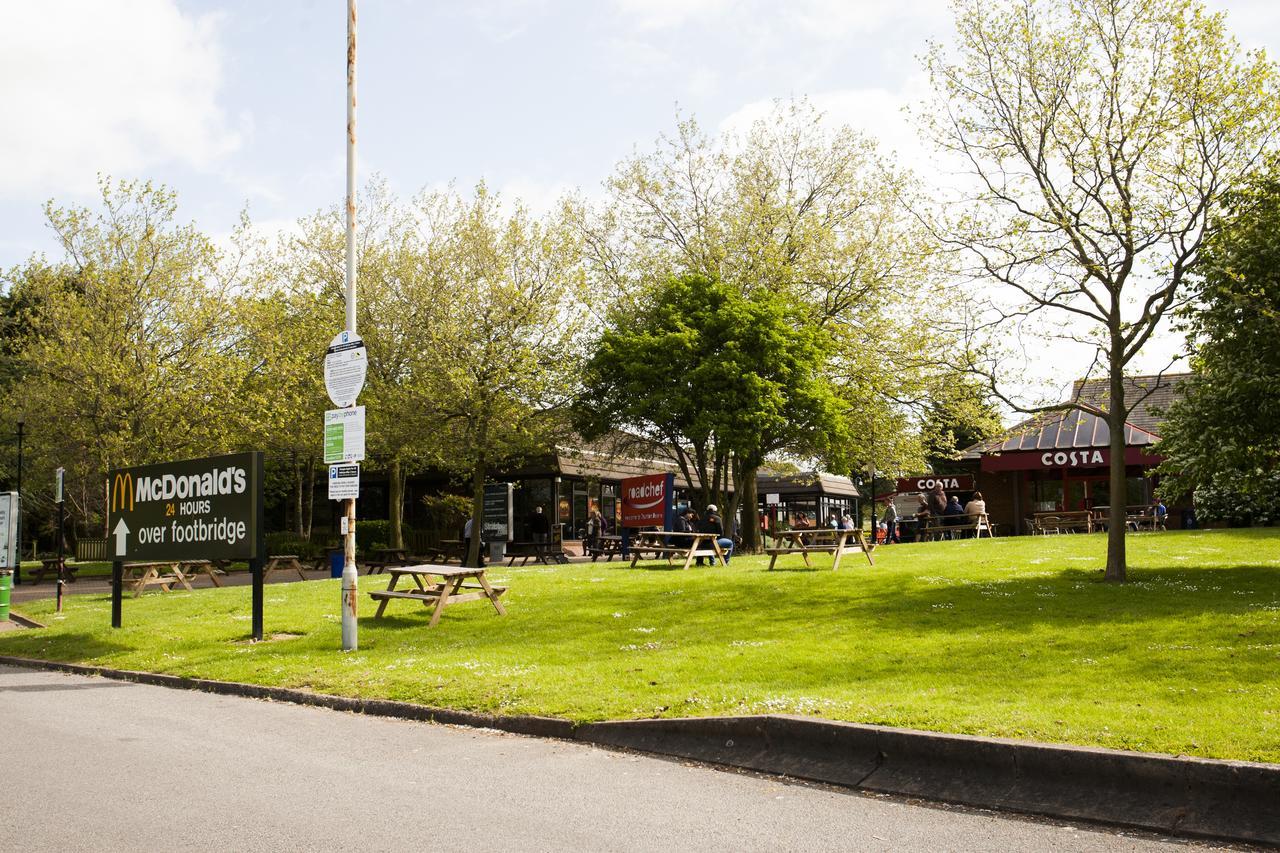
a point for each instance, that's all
(241, 102)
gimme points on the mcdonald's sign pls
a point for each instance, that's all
(122, 491)
(193, 509)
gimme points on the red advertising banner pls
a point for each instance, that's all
(926, 482)
(1087, 457)
(645, 500)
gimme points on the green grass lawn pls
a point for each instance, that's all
(1014, 637)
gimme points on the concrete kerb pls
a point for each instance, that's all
(1208, 798)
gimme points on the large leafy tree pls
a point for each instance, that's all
(127, 355)
(791, 206)
(960, 415)
(720, 378)
(1099, 134)
(1221, 437)
(503, 346)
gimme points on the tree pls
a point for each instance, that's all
(127, 358)
(794, 207)
(503, 347)
(1221, 436)
(721, 379)
(961, 415)
(1101, 133)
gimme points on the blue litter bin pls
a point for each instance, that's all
(336, 559)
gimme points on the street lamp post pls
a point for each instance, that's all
(17, 565)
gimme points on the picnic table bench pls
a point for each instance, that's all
(543, 552)
(446, 591)
(604, 546)
(50, 565)
(282, 563)
(385, 558)
(161, 573)
(672, 544)
(1062, 521)
(806, 540)
(939, 526)
(444, 551)
(1136, 518)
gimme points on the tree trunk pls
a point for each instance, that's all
(477, 511)
(297, 494)
(749, 501)
(395, 507)
(311, 497)
(1116, 523)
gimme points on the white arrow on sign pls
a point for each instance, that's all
(122, 537)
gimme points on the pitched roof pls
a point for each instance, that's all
(1065, 430)
(781, 482)
(1154, 393)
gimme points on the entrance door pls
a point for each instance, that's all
(1087, 493)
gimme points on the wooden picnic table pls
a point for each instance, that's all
(543, 552)
(282, 563)
(161, 573)
(50, 566)
(940, 526)
(671, 544)
(445, 550)
(1070, 521)
(606, 545)
(446, 591)
(385, 558)
(821, 539)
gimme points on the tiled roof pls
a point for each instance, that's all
(1156, 393)
(1067, 430)
(806, 481)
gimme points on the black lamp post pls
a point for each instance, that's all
(17, 567)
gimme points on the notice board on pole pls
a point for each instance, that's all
(9, 504)
(497, 521)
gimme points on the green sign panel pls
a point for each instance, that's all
(196, 509)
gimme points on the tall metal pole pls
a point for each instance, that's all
(17, 567)
(350, 584)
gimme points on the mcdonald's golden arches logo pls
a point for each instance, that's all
(122, 491)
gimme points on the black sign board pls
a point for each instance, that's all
(196, 509)
(497, 512)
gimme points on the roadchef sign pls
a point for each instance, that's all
(645, 499)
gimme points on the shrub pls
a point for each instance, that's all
(285, 542)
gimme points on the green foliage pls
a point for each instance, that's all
(960, 414)
(1013, 637)
(1223, 436)
(718, 376)
(374, 533)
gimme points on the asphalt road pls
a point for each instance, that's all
(96, 764)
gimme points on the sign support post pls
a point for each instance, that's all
(117, 592)
(62, 508)
(350, 584)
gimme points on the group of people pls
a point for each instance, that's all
(935, 509)
(687, 521)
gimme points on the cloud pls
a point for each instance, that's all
(107, 87)
(665, 14)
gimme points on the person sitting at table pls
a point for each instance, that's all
(974, 508)
(952, 516)
(540, 526)
(846, 521)
(801, 522)
(834, 521)
(682, 522)
(713, 524)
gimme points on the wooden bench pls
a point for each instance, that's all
(604, 546)
(805, 541)
(441, 593)
(938, 526)
(1065, 521)
(50, 566)
(543, 552)
(161, 573)
(282, 563)
(660, 544)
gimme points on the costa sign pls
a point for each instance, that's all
(928, 482)
(1072, 458)
(1085, 457)
(646, 500)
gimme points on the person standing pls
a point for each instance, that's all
(923, 517)
(890, 520)
(595, 527)
(937, 501)
(466, 541)
(540, 526)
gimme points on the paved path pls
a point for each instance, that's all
(94, 764)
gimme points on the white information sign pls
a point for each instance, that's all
(345, 364)
(8, 529)
(344, 435)
(61, 474)
(773, 498)
(344, 482)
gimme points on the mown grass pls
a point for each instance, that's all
(1013, 637)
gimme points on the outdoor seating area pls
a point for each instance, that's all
(49, 566)
(438, 594)
(606, 545)
(674, 545)
(966, 526)
(820, 540)
(543, 552)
